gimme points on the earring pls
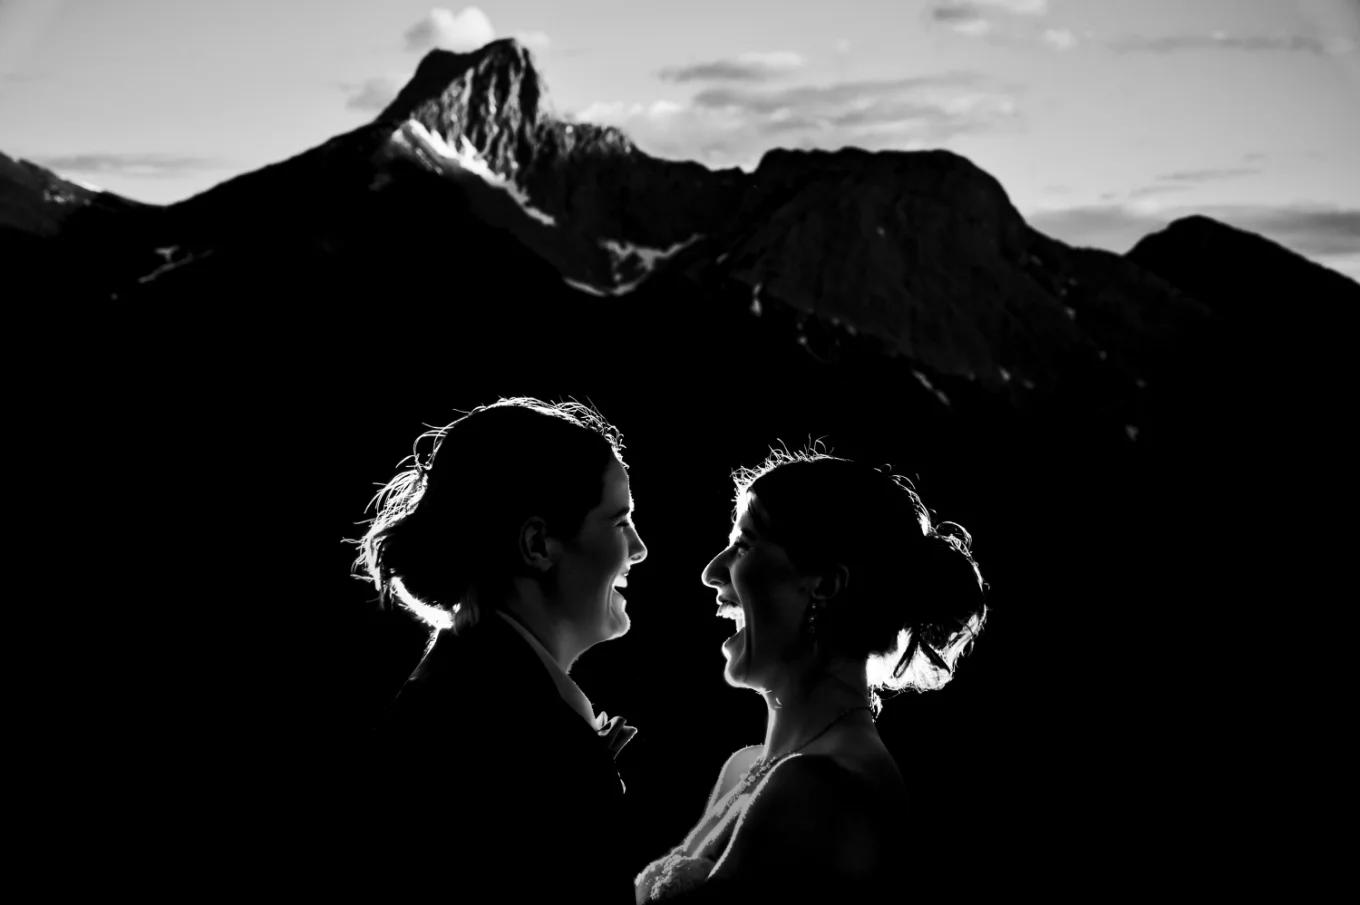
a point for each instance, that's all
(812, 618)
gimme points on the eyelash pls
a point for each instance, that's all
(740, 546)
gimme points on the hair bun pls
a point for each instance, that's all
(949, 586)
(954, 534)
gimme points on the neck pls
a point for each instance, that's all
(797, 713)
(531, 611)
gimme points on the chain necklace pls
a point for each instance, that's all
(761, 766)
(757, 771)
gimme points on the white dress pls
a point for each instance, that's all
(689, 863)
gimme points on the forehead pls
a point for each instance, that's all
(749, 514)
(617, 491)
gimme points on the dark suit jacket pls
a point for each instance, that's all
(493, 789)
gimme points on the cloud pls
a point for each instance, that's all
(374, 95)
(461, 32)
(1223, 41)
(1018, 7)
(599, 112)
(965, 10)
(1060, 38)
(748, 67)
(1315, 231)
(1209, 174)
(151, 166)
(970, 17)
(1148, 191)
(726, 125)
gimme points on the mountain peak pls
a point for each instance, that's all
(493, 96)
(502, 63)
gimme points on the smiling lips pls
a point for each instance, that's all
(729, 609)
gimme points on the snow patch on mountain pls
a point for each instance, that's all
(630, 264)
(925, 382)
(415, 140)
(171, 264)
(615, 292)
(648, 258)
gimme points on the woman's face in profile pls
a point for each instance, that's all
(595, 562)
(759, 587)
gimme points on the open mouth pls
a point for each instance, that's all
(728, 609)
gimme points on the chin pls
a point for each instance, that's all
(616, 622)
(735, 672)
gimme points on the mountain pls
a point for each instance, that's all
(1123, 434)
(921, 250)
(1247, 278)
(68, 238)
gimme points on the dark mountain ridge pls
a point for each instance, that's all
(1093, 418)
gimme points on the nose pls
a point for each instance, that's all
(715, 573)
(637, 550)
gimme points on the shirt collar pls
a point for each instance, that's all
(568, 689)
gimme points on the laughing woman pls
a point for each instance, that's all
(839, 585)
(498, 777)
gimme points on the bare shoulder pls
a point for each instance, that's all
(864, 755)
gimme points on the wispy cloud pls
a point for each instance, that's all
(1220, 40)
(150, 166)
(1326, 234)
(974, 17)
(1208, 174)
(725, 125)
(1183, 180)
(965, 10)
(748, 67)
(465, 30)
(1161, 188)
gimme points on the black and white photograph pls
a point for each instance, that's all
(625, 452)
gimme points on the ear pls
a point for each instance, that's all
(537, 550)
(831, 583)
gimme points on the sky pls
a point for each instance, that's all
(1102, 119)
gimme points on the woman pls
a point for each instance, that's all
(839, 585)
(512, 542)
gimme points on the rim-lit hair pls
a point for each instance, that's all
(916, 599)
(443, 534)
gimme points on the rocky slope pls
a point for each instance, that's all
(921, 252)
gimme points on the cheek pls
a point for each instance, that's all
(755, 585)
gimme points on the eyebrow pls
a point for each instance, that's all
(624, 511)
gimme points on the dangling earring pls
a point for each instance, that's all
(813, 610)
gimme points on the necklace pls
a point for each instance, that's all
(761, 766)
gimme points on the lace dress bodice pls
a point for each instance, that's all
(689, 863)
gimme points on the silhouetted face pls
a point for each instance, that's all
(760, 589)
(595, 562)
